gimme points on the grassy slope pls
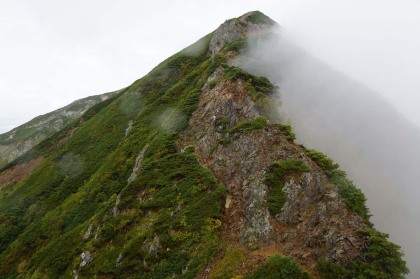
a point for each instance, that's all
(168, 217)
(42, 127)
(44, 217)
(28, 129)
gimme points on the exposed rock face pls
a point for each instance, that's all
(115, 210)
(313, 215)
(237, 28)
(137, 165)
(143, 210)
(85, 258)
(153, 245)
(88, 232)
(129, 127)
(21, 139)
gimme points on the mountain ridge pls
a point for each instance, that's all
(189, 173)
(21, 139)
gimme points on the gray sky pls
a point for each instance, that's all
(54, 52)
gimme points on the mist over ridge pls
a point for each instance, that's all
(374, 143)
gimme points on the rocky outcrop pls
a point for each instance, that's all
(137, 165)
(311, 224)
(238, 28)
(85, 258)
(129, 127)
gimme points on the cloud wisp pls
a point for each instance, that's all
(375, 144)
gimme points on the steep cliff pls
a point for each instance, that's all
(189, 173)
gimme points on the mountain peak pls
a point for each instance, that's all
(239, 28)
(188, 173)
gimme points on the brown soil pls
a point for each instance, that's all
(19, 172)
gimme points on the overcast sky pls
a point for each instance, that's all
(54, 52)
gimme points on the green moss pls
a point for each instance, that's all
(275, 179)
(258, 17)
(287, 130)
(258, 88)
(326, 164)
(222, 121)
(276, 199)
(60, 200)
(227, 266)
(239, 45)
(224, 141)
(352, 196)
(278, 267)
(261, 84)
(382, 259)
(249, 125)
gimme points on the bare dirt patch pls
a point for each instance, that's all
(19, 172)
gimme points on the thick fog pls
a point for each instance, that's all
(377, 147)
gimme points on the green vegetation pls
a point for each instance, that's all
(260, 84)
(228, 265)
(249, 125)
(287, 130)
(223, 121)
(224, 141)
(168, 217)
(259, 18)
(44, 126)
(278, 267)
(352, 196)
(275, 179)
(258, 88)
(245, 126)
(165, 223)
(381, 260)
(238, 46)
(2, 163)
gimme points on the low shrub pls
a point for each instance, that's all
(352, 196)
(227, 266)
(275, 179)
(287, 130)
(249, 125)
(279, 267)
(381, 260)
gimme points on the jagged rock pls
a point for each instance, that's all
(88, 232)
(257, 225)
(235, 29)
(118, 260)
(85, 258)
(242, 179)
(137, 165)
(129, 127)
(115, 210)
(312, 215)
(97, 232)
(152, 246)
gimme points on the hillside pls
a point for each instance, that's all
(21, 139)
(189, 172)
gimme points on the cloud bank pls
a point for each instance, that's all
(377, 147)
